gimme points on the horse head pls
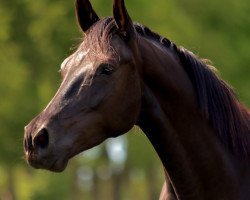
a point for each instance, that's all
(99, 96)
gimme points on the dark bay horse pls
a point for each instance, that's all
(122, 75)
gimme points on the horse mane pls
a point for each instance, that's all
(219, 104)
(217, 101)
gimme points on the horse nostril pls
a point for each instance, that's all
(42, 139)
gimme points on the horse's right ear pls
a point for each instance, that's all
(85, 14)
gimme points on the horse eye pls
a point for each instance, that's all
(106, 70)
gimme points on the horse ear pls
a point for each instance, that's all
(122, 19)
(85, 14)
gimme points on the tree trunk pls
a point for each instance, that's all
(117, 180)
(10, 190)
(151, 183)
(95, 188)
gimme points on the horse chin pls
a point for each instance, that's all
(57, 165)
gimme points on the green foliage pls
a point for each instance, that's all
(35, 37)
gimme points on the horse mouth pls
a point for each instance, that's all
(54, 165)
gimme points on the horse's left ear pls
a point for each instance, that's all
(85, 14)
(122, 19)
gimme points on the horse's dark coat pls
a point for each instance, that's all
(122, 75)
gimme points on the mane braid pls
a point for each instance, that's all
(217, 101)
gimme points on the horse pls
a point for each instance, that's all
(122, 75)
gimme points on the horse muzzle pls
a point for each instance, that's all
(39, 151)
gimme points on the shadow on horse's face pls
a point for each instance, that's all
(99, 97)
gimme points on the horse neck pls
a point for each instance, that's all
(190, 152)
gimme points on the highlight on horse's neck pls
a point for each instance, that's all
(170, 115)
(193, 164)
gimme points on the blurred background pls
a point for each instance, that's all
(35, 37)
